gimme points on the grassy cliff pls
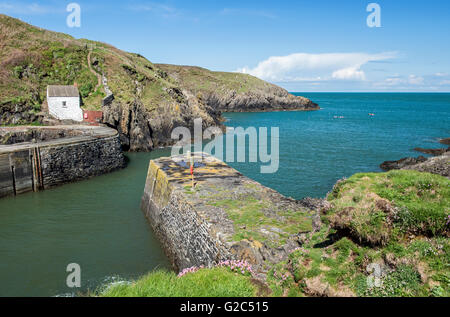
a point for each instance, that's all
(32, 58)
(386, 234)
(383, 235)
(150, 100)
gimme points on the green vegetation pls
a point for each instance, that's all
(378, 207)
(349, 256)
(202, 82)
(252, 222)
(32, 58)
(396, 221)
(217, 282)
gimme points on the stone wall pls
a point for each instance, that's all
(28, 167)
(226, 216)
(184, 234)
(72, 162)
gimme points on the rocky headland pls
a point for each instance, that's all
(142, 100)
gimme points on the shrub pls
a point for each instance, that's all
(374, 208)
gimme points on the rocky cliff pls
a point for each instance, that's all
(149, 100)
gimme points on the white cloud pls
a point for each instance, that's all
(29, 8)
(301, 66)
(415, 80)
(258, 13)
(156, 8)
(349, 73)
(398, 81)
(445, 83)
(441, 74)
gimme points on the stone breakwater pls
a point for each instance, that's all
(226, 216)
(37, 158)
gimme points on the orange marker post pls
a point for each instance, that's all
(191, 159)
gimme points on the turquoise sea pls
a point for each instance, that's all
(319, 147)
(98, 223)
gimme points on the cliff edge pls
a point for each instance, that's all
(145, 101)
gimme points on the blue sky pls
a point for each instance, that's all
(303, 46)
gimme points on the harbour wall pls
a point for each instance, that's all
(49, 160)
(226, 216)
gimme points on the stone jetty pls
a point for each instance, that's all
(224, 216)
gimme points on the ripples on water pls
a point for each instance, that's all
(319, 147)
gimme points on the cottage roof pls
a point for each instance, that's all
(62, 91)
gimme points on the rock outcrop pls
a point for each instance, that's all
(439, 165)
(434, 152)
(399, 164)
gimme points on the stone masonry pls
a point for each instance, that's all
(225, 216)
(55, 155)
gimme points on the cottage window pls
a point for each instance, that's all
(64, 104)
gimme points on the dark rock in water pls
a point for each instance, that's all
(445, 141)
(407, 161)
(434, 152)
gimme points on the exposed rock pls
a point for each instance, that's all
(434, 152)
(318, 204)
(407, 161)
(384, 205)
(439, 165)
(18, 113)
(143, 130)
(316, 287)
(445, 141)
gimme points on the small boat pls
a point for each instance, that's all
(372, 114)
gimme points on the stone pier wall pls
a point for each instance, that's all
(185, 235)
(33, 166)
(226, 216)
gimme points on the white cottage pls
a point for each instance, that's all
(64, 103)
